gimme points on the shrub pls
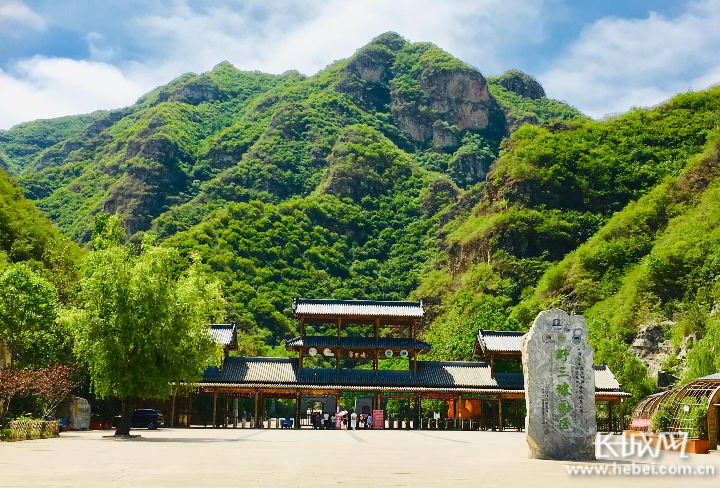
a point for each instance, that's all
(662, 420)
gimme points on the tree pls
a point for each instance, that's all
(144, 323)
(53, 384)
(13, 382)
(28, 311)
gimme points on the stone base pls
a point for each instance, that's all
(572, 455)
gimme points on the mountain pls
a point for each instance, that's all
(404, 172)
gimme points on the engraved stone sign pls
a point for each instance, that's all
(559, 388)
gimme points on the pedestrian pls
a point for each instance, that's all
(326, 416)
(369, 422)
(332, 424)
(353, 420)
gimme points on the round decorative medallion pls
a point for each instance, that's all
(388, 353)
(312, 352)
(404, 353)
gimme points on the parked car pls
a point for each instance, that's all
(143, 418)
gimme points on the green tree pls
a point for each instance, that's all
(143, 326)
(28, 311)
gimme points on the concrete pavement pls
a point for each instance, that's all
(306, 458)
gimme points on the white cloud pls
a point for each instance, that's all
(309, 35)
(53, 87)
(16, 16)
(619, 63)
(258, 35)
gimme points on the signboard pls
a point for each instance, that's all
(240, 394)
(398, 395)
(357, 394)
(378, 419)
(478, 396)
(280, 396)
(447, 396)
(357, 355)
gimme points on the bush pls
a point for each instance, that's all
(662, 420)
(698, 415)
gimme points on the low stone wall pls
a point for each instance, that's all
(28, 429)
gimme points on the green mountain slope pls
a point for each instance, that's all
(21, 144)
(27, 236)
(602, 218)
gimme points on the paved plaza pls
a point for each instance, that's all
(306, 458)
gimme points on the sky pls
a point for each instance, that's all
(63, 57)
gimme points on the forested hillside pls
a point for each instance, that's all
(403, 172)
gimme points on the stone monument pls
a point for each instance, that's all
(559, 388)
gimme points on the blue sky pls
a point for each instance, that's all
(63, 57)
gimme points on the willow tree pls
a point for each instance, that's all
(144, 322)
(28, 309)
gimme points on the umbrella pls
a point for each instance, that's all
(342, 413)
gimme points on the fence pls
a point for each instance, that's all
(27, 429)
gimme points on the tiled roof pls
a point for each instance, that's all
(223, 333)
(604, 379)
(332, 307)
(344, 342)
(500, 341)
(277, 372)
(715, 376)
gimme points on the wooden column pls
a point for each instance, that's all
(501, 427)
(414, 328)
(338, 354)
(377, 363)
(302, 327)
(482, 404)
(300, 361)
(610, 416)
(377, 329)
(187, 421)
(492, 367)
(257, 410)
(225, 423)
(214, 408)
(415, 362)
(298, 404)
(622, 418)
(455, 410)
(172, 415)
(339, 325)
(407, 418)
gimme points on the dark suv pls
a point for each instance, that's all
(144, 418)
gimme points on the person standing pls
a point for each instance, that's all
(369, 422)
(326, 416)
(353, 420)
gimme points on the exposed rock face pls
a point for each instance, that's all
(559, 388)
(441, 192)
(196, 91)
(468, 168)
(522, 84)
(650, 347)
(459, 97)
(445, 136)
